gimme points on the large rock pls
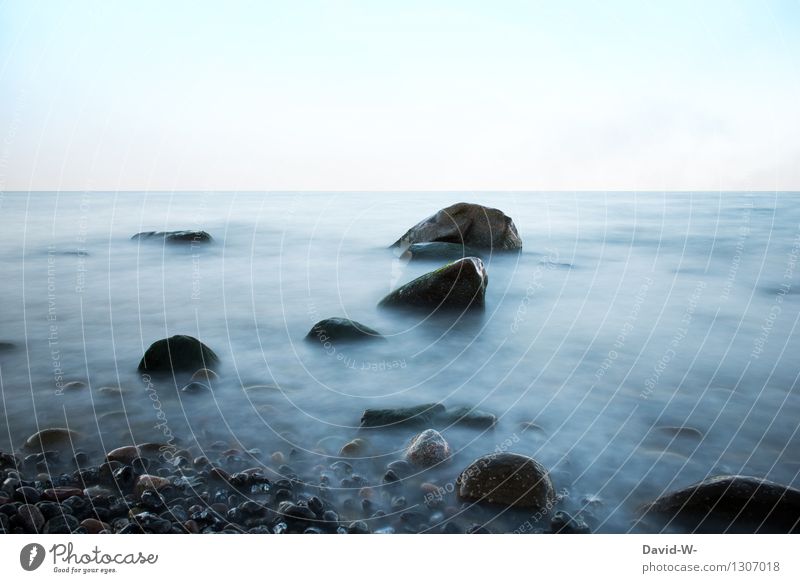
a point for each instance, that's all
(469, 224)
(177, 353)
(174, 236)
(341, 330)
(741, 504)
(428, 415)
(457, 286)
(507, 479)
(428, 449)
(52, 438)
(419, 415)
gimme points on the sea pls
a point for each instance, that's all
(639, 342)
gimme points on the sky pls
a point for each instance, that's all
(400, 95)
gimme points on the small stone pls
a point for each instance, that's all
(73, 386)
(31, 518)
(149, 482)
(94, 526)
(564, 523)
(358, 527)
(61, 494)
(61, 524)
(353, 448)
(278, 457)
(428, 449)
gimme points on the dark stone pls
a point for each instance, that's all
(31, 518)
(564, 523)
(174, 236)
(420, 415)
(341, 330)
(507, 479)
(741, 504)
(457, 286)
(468, 224)
(27, 494)
(478, 529)
(468, 417)
(61, 524)
(358, 527)
(438, 251)
(177, 353)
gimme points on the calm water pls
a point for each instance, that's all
(623, 315)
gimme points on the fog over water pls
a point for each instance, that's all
(623, 318)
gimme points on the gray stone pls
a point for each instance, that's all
(457, 286)
(174, 236)
(507, 479)
(177, 353)
(466, 223)
(341, 330)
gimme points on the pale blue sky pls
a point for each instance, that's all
(362, 95)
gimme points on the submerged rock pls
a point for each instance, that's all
(469, 417)
(437, 251)
(420, 415)
(468, 224)
(174, 236)
(341, 330)
(428, 449)
(52, 438)
(742, 504)
(177, 353)
(4, 346)
(456, 286)
(508, 479)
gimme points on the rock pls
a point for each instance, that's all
(741, 504)
(468, 224)
(53, 438)
(73, 386)
(149, 482)
(439, 252)
(457, 286)
(127, 453)
(564, 523)
(61, 494)
(111, 391)
(428, 449)
(94, 526)
(341, 330)
(420, 415)
(532, 427)
(469, 417)
(177, 353)
(353, 448)
(61, 524)
(31, 518)
(174, 236)
(6, 346)
(508, 479)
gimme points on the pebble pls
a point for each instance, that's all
(31, 518)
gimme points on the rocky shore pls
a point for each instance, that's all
(54, 486)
